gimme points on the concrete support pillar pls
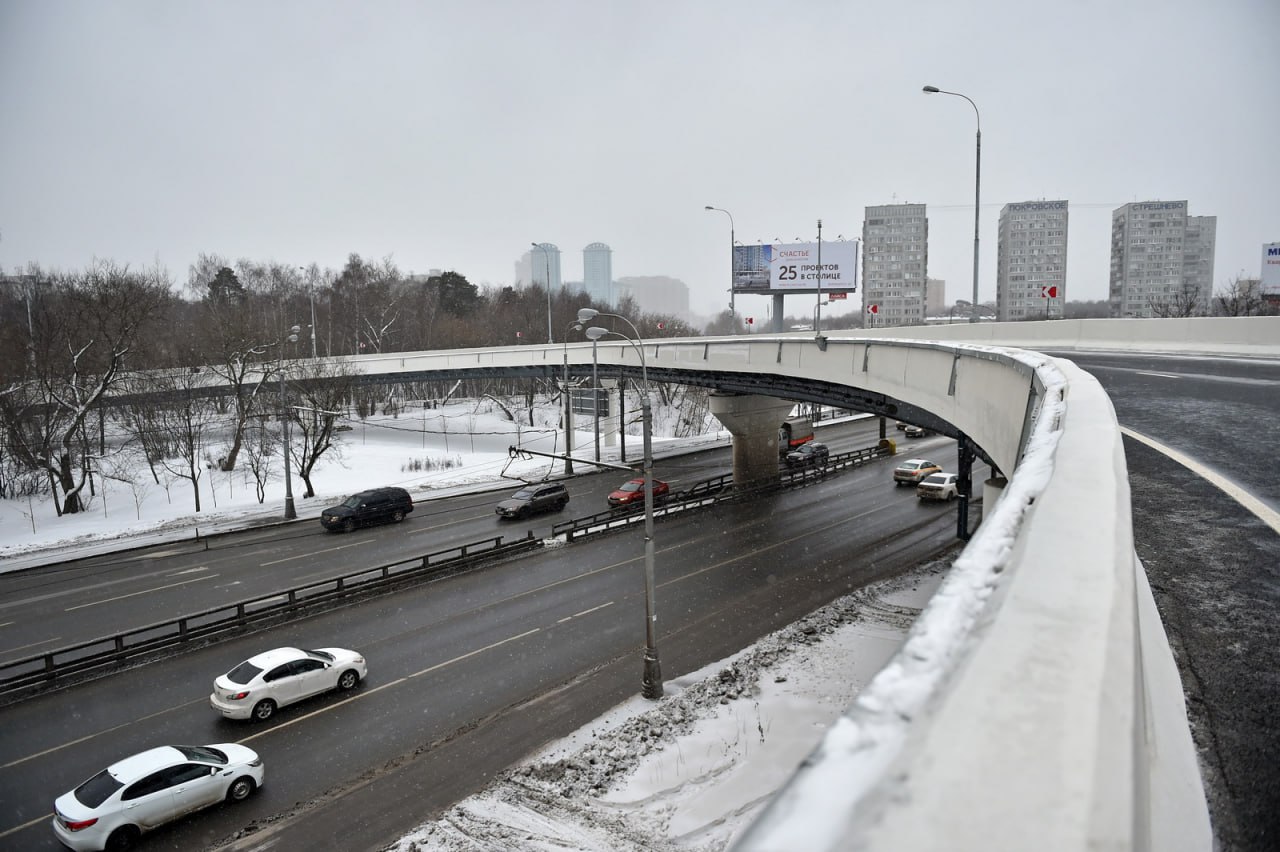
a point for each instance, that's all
(753, 421)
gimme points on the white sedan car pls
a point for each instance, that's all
(272, 679)
(113, 808)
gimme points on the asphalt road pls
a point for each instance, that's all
(467, 674)
(61, 605)
(1214, 568)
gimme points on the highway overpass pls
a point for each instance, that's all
(1037, 691)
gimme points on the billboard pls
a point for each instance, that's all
(793, 268)
(1270, 270)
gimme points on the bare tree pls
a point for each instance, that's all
(1183, 303)
(83, 332)
(1242, 297)
(319, 393)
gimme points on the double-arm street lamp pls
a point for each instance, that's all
(977, 190)
(292, 337)
(732, 314)
(546, 256)
(651, 685)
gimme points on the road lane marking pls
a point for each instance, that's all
(1161, 375)
(584, 612)
(195, 570)
(366, 693)
(143, 592)
(87, 737)
(29, 644)
(27, 824)
(1264, 512)
(309, 555)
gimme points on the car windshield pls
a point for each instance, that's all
(631, 486)
(936, 479)
(204, 753)
(321, 655)
(243, 673)
(523, 494)
(97, 789)
(352, 502)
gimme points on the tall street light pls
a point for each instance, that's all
(732, 314)
(568, 403)
(977, 190)
(546, 255)
(817, 309)
(651, 684)
(292, 337)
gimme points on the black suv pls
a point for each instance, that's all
(543, 497)
(808, 454)
(368, 507)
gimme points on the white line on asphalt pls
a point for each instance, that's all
(584, 612)
(377, 689)
(143, 592)
(29, 644)
(1264, 512)
(1161, 375)
(309, 555)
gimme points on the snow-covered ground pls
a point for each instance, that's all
(686, 773)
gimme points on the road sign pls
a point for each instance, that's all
(873, 309)
(1049, 291)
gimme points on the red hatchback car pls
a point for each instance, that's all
(632, 493)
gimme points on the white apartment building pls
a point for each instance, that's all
(597, 274)
(1161, 260)
(895, 259)
(544, 265)
(1031, 266)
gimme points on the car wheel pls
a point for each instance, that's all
(122, 838)
(348, 680)
(349, 525)
(397, 516)
(264, 710)
(241, 789)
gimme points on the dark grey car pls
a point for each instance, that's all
(810, 454)
(376, 506)
(542, 497)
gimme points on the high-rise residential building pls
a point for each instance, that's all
(1031, 266)
(1161, 260)
(935, 297)
(895, 259)
(544, 265)
(597, 273)
(656, 294)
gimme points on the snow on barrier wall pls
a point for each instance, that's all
(1036, 703)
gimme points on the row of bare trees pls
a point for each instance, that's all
(111, 359)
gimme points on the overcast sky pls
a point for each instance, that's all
(452, 135)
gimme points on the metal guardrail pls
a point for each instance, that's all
(711, 491)
(97, 657)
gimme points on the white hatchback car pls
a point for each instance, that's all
(113, 808)
(272, 679)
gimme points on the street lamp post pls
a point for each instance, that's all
(289, 511)
(546, 256)
(977, 190)
(651, 683)
(568, 404)
(817, 310)
(732, 313)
